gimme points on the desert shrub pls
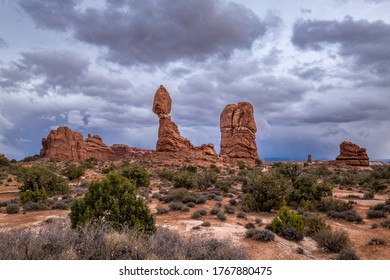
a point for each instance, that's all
(233, 202)
(249, 225)
(387, 202)
(9, 180)
(36, 177)
(215, 210)
(184, 179)
(264, 192)
(334, 241)
(313, 223)
(199, 213)
(214, 168)
(332, 204)
(204, 248)
(60, 205)
(73, 172)
(231, 171)
(287, 219)
(369, 195)
(260, 235)
(90, 163)
(38, 195)
(381, 207)
(157, 195)
(386, 224)
(223, 185)
(190, 168)
(349, 215)
(206, 224)
(259, 221)
(228, 209)
(377, 241)
(241, 215)
(201, 199)
(137, 173)
(306, 189)
(35, 206)
(12, 208)
(189, 198)
(373, 214)
(347, 254)
(291, 233)
(176, 195)
(107, 170)
(31, 158)
(162, 210)
(114, 200)
(166, 174)
(176, 206)
(185, 209)
(221, 216)
(205, 179)
(241, 165)
(373, 226)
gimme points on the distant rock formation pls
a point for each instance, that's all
(2, 156)
(352, 154)
(65, 144)
(309, 158)
(169, 138)
(238, 131)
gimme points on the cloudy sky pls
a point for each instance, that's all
(317, 72)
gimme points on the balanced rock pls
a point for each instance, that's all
(169, 138)
(238, 131)
(65, 144)
(352, 154)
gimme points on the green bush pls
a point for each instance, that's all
(36, 177)
(313, 223)
(373, 214)
(184, 179)
(264, 192)
(241, 165)
(287, 219)
(223, 186)
(31, 158)
(137, 173)
(39, 195)
(190, 168)
(114, 200)
(73, 172)
(332, 204)
(166, 174)
(214, 168)
(90, 163)
(205, 180)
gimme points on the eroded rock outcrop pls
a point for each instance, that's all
(65, 144)
(169, 138)
(238, 131)
(352, 154)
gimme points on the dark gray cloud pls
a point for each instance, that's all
(367, 42)
(3, 43)
(307, 72)
(155, 32)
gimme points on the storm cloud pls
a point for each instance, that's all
(154, 32)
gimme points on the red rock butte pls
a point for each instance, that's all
(238, 131)
(65, 144)
(352, 154)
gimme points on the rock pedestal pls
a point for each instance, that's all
(169, 138)
(238, 131)
(352, 154)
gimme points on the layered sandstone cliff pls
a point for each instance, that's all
(352, 154)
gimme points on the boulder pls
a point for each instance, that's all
(352, 154)
(238, 131)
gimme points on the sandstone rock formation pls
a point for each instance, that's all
(169, 138)
(352, 154)
(309, 158)
(65, 144)
(238, 131)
